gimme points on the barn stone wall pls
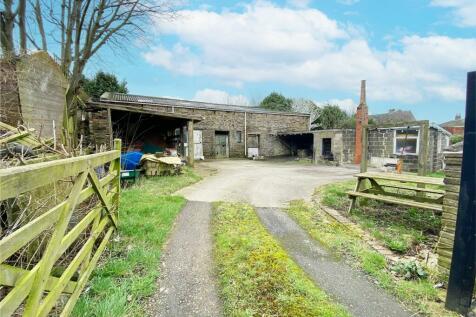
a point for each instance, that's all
(266, 125)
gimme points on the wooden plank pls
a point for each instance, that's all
(49, 301)
(20, 179)
(427, 190)
(52, 248)
(397, 201)
(13, 242)
(82, 281)
(102, 196)
(403, 178)
(10, 275)
(21, 290)
(13, 137)
(365, 150)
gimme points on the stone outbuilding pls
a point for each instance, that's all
(153, 124)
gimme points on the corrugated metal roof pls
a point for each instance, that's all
(138, 99)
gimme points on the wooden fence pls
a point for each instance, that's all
(38, 289)
(453, 163)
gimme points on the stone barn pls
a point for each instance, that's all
(219, 131)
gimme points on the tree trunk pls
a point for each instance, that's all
(7, 19)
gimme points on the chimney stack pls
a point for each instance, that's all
(361, 120)
(458, 116)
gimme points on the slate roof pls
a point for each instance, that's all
(397, 116)
(160, 101)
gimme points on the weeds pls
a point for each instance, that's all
(419, 294)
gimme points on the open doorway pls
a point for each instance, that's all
(327, 149)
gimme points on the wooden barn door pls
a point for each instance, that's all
(221, 144)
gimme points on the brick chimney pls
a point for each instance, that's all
(361, 119)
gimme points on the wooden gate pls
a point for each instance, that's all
(66, 243)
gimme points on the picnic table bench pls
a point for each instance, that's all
(418, 196)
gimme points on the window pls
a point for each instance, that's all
(238, 136)
(406, 142)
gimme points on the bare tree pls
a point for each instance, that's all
(82, 28)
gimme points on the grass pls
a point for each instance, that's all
(418, 294)
(256, 276)
(400, 228)
(129, 269)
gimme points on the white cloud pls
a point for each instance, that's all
(464, 11)
(220, 96)
(268, 43)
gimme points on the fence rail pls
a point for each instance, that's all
(36, 290)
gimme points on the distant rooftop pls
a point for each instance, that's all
(138, 99)
(393, 116)
(457, 122)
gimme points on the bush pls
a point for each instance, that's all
(456, 139)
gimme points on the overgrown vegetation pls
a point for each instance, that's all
(130, 265)
(418, 292)
(456, 138)
(256, 275)
(400, 228)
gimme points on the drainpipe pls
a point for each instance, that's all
(245, 138)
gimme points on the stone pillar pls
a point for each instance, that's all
(361, 119)
(191, 144)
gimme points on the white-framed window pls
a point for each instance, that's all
(406, 141)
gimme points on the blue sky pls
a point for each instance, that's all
(413, 54)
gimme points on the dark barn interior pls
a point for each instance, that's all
(300, 144)
(148, 133)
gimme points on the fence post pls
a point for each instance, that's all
(117, 169)
(463, 263)
(365, 149)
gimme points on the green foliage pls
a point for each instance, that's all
(419, 294)
(103, 82)
(129, 267)
(456, 138)
(256, 276)
(277, 102)
(410, 270)
(333, 117)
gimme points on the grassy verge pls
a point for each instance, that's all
(402, 229)
(418, 294)
(129, 268)
(257, 277)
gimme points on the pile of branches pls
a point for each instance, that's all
(20, 146)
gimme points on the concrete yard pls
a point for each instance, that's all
(262, 183)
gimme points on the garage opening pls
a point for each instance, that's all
(222, 144)
(299, 144)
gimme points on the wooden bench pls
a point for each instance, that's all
(377, 191)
